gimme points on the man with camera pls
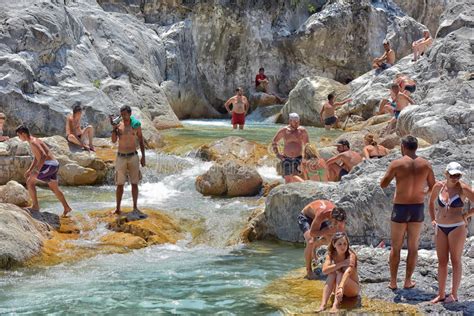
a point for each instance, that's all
(127, 129)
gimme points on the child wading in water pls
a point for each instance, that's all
(341, 268)
(314, 167)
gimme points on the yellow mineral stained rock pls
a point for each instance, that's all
(295, 295)
(123, 240)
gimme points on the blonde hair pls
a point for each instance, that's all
(370, 139)
(310, 152)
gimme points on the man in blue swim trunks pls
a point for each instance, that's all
(318, 221)
(413, 175)
(385, 61)
(341, 164)
(43, 168)
(328, 111)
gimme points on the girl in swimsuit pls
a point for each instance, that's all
(450, 226)
(372, 149)
(314, 167)
(341, 268)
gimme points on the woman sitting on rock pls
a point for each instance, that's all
(341, 268)
(372, 149)
(314, 167)
(450, 226)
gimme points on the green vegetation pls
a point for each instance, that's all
(96, 83)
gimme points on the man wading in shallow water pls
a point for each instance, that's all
(127, 162)
(412, 174)
(295, 137)
(240, 107)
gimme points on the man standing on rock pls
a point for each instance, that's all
(75, 134)
(386, 60)
(127, 163)
(341, 164)
(240, 107)
(318, 221)
(328, 111)
(295, 137)
(43, 168)
(412, 174)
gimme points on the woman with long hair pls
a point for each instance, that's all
(314, 167)
(372, 149)
(340, 267)
(450, 224)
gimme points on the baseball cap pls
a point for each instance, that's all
(294, 116)
(454, 168)
(343, 142)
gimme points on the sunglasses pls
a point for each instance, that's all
(339, 234)
(455, 176)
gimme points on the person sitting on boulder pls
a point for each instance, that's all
(2, 122)
(386, 60)
(401, 101)
(340, 266)
(295, 137)
(342, 163)
(44, 167)
(406, 84)
(328, 111)
(240, 107)
(318, 221)
(314, 167)
(372, 149)
(75, 133)
(419, 47)
(262, 82)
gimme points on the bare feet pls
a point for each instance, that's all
(393, 286)
(334, 309)
(451, 299)
(66, 212)
(310, 276)
(321, 308)
(31, 209)
(438, 299)
(116, 212)
(409, 285)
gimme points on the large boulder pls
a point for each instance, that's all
(368, 206)
(426, 12)
(21, 237)
(308, 97)
(14, 193)
(229, 179)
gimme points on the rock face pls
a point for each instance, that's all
(20, 236)
(426, 12)
(14, 193)
(308, 97)
(230, 179)
(368, 206)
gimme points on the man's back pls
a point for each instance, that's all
(411, 179)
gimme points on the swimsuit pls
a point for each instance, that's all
(304, 222)
(330, 120)
(342, 173)
(411, 88)
(238, 118)
(291, 165)
(454, 202)
(397, 114)
(406, 213)
(318, 172)
(49, 171)
(379, 156)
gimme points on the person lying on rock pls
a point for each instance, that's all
(340, 266)
(385, 61)
(240, 107)
(76, 134)
(262, 82)
(318, 221)
(295, 137)
(2, 122)
(372, 149)
(328, 111)
(44, 168)
(314, 167)
(400, 102)
(127, 163)
(448, 197)
(406, 84)
(419, 47)
(341, 164)
(412, 175)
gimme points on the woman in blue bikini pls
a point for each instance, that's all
(450, 225)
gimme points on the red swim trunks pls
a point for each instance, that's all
(238, 118)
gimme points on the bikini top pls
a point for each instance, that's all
(453, 202)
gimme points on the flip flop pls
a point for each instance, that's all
(410, 287)
(439, 301)
(115, 213)
(392, 288)
(448, 299)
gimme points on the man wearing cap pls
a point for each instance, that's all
(412, 175)
(295, 137)
(318, 221)
(2, 122)
(75, 134)
(342, 163)
(240, 107)
(328, 111)
(386, 60)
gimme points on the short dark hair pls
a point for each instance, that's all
(410, 142)
(126, 108)
(339, 214)
(344, 142)
(261, 68)
(395, 86)
(22, 129)
(76, 107)
(238, 89)
(330, 96)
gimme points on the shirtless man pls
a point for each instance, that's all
(2, 122)
(421, 45)
(342, 163)
(412, 175)
(328, 111)
(261, 84)
(318, 221)
(240, 106)
(127, 162)
(295, 137)
(43, 168)
(400, 101)
(74, 133)
(386, 60)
